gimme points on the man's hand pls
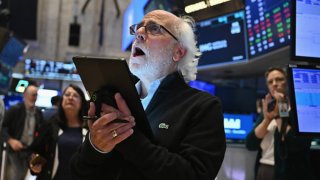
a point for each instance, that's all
(106, 134)
(15, 144)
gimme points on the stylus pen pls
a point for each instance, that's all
(93, 118)
(88, 118)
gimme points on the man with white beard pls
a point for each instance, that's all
(187, 124)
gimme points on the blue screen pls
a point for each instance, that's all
(12, 52)
(132, 15)
(222, 39)
(237, 126)
(12, 99)
(306, 84)
(203, 86)
(268, 25)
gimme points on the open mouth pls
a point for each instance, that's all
(138, 52)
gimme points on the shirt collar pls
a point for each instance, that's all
(152, 89)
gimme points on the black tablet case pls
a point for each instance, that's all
(113, 72)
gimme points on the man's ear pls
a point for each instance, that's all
(179, 53)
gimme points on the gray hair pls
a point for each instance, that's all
(188, 64)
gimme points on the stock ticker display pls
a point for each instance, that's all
(222, 39)
(268, 25)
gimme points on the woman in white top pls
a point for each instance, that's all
(281, 155)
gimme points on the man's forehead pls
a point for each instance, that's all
(32, 89)
(159, 16)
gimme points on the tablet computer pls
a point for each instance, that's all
(96, 73)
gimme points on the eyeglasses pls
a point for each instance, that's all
(73, 95)
(153, 28)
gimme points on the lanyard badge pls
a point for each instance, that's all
(283, 108)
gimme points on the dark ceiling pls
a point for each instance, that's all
(251, 68)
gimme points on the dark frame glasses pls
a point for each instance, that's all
(154, 29)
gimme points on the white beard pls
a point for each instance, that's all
(155, 66)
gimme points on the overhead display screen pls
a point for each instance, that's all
(268, 25)
(306, 30)
(222, 39)
(49, 69)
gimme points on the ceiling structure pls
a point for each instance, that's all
(253, 67)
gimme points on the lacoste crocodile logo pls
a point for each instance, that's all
(163, 126)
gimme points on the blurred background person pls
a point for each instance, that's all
(20, 127)
(60, 137)
(49, 112)
(281, 155)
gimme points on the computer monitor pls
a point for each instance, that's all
(222, 40)
(44, 97)
(237, 126)
(304, 83)
(268, 25)
(305, 44)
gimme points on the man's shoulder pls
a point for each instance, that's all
(197, 97)
(202, 94)
(15, 110)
